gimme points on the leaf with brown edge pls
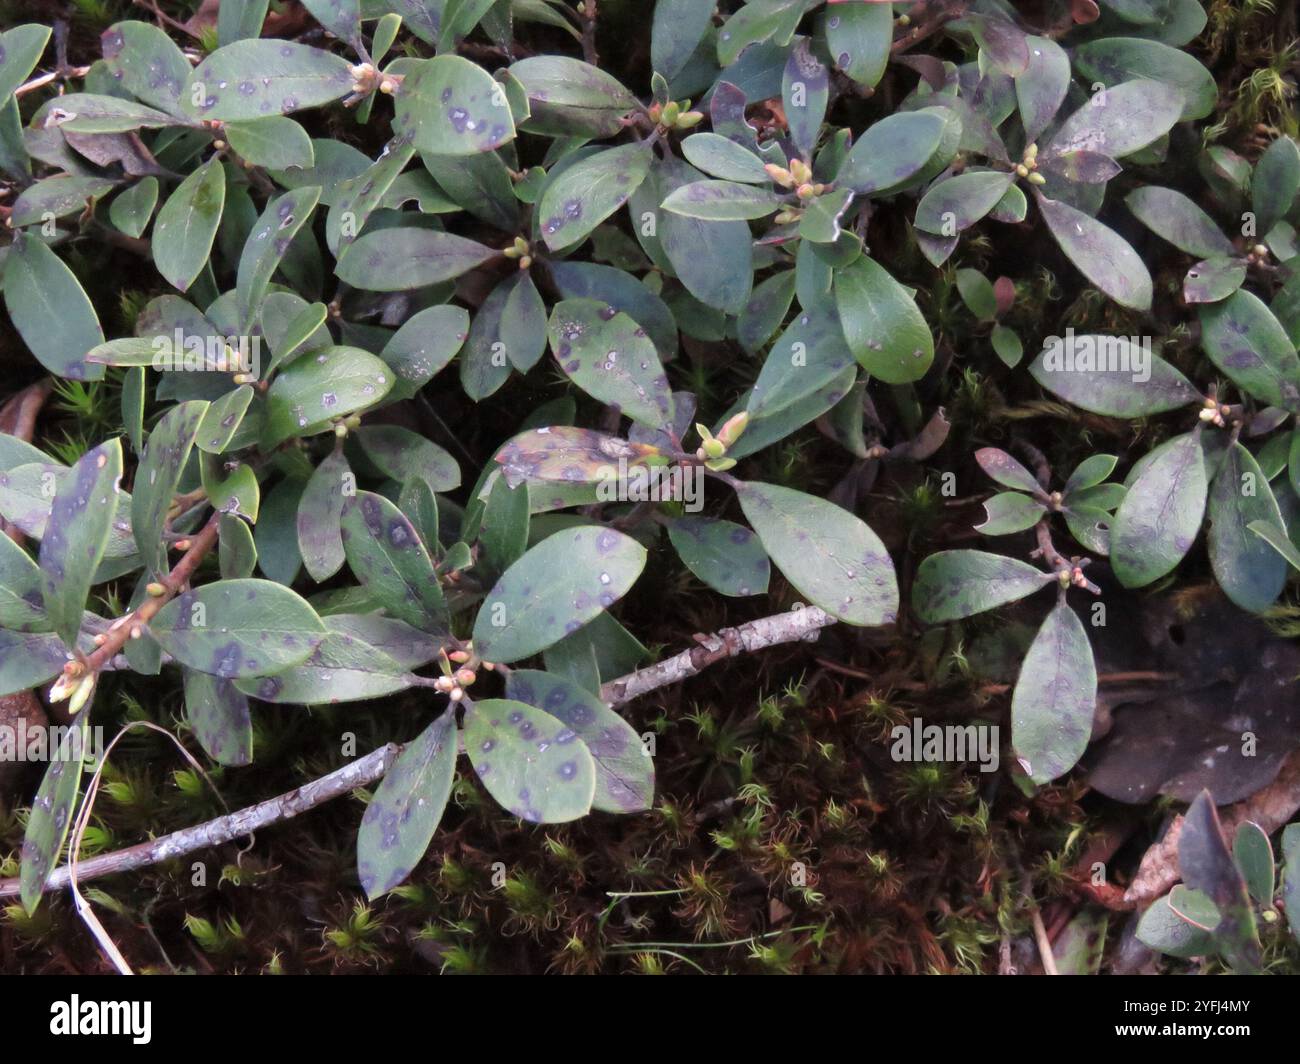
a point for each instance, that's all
(406, 808)
(563, 454)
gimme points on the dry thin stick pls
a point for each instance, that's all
(1044, 943)
(756, 635)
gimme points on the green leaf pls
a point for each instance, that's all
(569, 97)
(387, 556)
(259, 77)
(50, 310)
(977, 293)
(1007, 345)
(1158, 520)
(625, 777)
(485, 363)
(722, 158)
(893, 150)
(1291, 874)
(1007, 471)
(238, 20)
(1041, 89)
(222, 420)
(1275, 183)
(217, 713)
(531, 762)
(58, 196)
(957, 203)
(1104, 375)
(131, 210)
(610, 357)
(1090, 472)
(156, 479)
(1163, 929)
(588, 192)
(237, 552)
(1276, 537)
(1173, 216)
(1101, 254)
(1213, 279)
(1119, 120)
(87, 112)
(1113, 60)
(1055, 698)
(342, 669)
(721, 201)
(81, 518)
(554, 589)
(503, 534)
(20, 590)
(961, 583)
(808, 355)
(406, 808)
(341, 17)
(1009, 512)
(1247, 343)
(882, 324)
(774, 20)
(313, 392)
(320, 511)
(453, 107)
(858, 37)
(829, 555)
(275, 141)
(269, 242)
(20, 50)
(1251, 574)
(726, 556)
(51, 814)
(394, 260)
(1254, 856)
(423, 347)
(405, 455)
(232, 492)
(238, 628)
(676, 31)
(147, 64)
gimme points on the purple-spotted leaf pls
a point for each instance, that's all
(1120, 120)
(713, 259)
(1207, 866)
(423, 346)
(1009, 512)
(1116, 60)
(1213, 279)
(882, 324)
(253, 78)
(27, 494)
(1041, 88)
(611, 358)
(774, 20)
(454, 107)
(217, 713)
(269, 242)
(1157, 523)
(28, 659)
(405, 455)
(558, 586)
(394, 260)
(766, 310)
(320, 511)
(621, 290)
(675, 33)
(726, 556)
(387, 556)
(1111, 376)
(961, 583)
(342, 668)
(81, 518)
(893, 151)
(569, 97)
(58, 197)
(313, 392)
(1007, 471)
(1275, 183)
(20, 590)
(561, 454)
(1082, 167)
(957, 203)
(222, 420)
(1174, 216)
(1003, 44)
(51, 814)
(1250, 572)
(805, 92)
(531, 762)
(625, 775)
(156, 478)
(406, 808)
(1244, 340)
(1055, 698)
(358, 197)
(50, 310)
(830, 556)
(1101, 254)
(589, 191)
(238, 628)
(858, 37)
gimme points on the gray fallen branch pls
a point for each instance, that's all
(756, 635)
